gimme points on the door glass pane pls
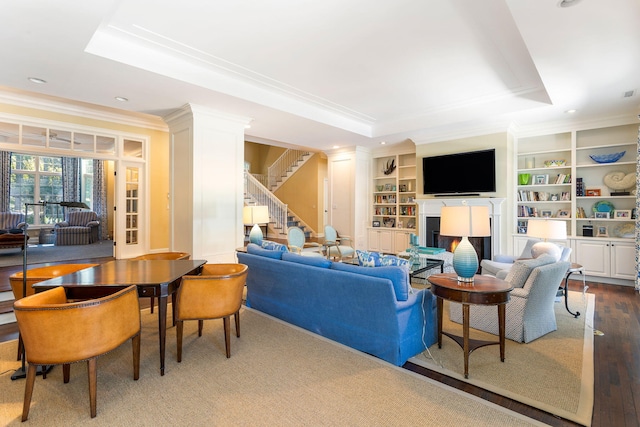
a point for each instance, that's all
(131, 215)
(132, 148)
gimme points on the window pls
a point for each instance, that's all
(35, 179)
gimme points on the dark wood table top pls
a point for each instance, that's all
(485, 290)
(125, 272)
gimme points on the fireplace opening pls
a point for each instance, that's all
(482, 245)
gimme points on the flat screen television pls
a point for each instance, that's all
(462, 173)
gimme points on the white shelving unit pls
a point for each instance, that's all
(609, 251)
(393, 209)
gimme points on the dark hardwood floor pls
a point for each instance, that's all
(617, 357)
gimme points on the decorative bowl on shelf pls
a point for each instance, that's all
(607, 158)
(380, 187)
(554, 163)
(604, 206)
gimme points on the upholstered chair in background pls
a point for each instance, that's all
(161, 256)
(296, 241)
(56, 332)
(80, 228)
(337, 247)
(215, 293)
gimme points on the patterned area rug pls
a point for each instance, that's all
(554, 373)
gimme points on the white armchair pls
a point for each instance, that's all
(501, 264)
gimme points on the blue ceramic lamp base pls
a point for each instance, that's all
(465, 261)
(255, 236)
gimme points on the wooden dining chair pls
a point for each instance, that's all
(56, 332)
(216, 293)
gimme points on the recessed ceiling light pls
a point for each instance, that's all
(336, 146)
(570, 111)
(382, 142)
(247, 126)
(568, 3)
(122, 99)
(37, 80)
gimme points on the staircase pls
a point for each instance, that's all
(258, 190)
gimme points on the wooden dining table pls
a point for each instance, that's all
(158, 278)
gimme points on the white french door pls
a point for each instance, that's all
(130, 212)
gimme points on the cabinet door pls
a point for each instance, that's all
(623, 257)
(374, 240)
(594, 256)
(386, 241)
(402, 241)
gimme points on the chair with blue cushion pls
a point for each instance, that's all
(335, 245)
(296, 241)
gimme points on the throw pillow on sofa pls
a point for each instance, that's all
(390, 260)
(274, 246)
(519, 273)
(368, 259)
(254, 249)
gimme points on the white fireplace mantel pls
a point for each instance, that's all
(432, 208)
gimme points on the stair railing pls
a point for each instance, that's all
(261, 195)
(284, 164)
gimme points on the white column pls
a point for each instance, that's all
(207, 186)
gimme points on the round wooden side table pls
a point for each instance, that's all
(484, 290)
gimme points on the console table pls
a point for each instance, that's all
(485, 290)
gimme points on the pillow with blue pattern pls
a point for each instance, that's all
(390, 260)
(368, 259)
(274, 246)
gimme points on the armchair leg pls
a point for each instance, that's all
(66, 372)
(28, 390)
(153, 302)
(135, 343)
(200, 326)
(179, 326)
(227, 332)
(236, 316)
(20, 347)
(93, 384)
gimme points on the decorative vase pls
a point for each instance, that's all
(523, 178)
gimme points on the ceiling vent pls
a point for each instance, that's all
(629, 93)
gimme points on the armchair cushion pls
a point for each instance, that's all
(519, 273)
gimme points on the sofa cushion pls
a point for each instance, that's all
(368, 259)
(306, 260)
(519, 273)
(399, 276)
(254, 249)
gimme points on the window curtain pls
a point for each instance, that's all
(100, 196)
(70, 179)
(638, 215)
(5, 179)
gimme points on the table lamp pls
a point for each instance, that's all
(465, 221)
(547, 229)
(254, 215)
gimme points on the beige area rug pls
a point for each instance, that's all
(277, 375)
(554, 373)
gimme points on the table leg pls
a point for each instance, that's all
(162, 328)
(501, 328)
(465, 337)
(439, 305)
(566, 295)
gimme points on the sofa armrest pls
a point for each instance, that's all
(61, 224)
(505, 258)
(93, 223)
(22, 225)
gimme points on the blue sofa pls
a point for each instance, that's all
(371, 309)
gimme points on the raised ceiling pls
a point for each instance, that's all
(335, 72)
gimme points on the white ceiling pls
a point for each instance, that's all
(335, 72)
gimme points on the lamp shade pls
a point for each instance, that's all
(547, 229)
(465, 221)
(470, 221)
(252, 215)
